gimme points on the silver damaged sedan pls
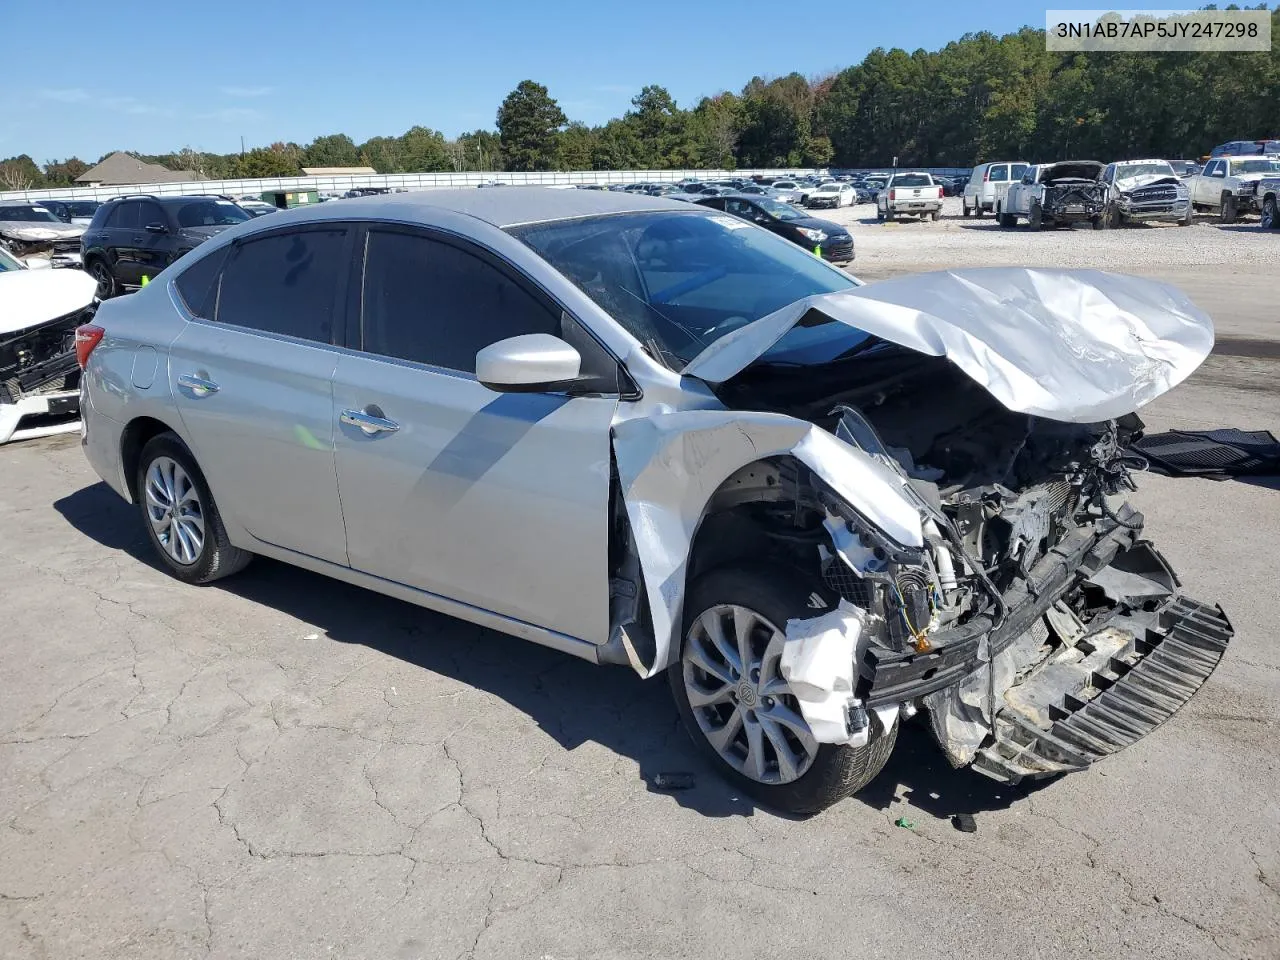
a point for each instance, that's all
(652, 435)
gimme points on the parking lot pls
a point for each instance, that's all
(284, 766)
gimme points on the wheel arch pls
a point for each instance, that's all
(134, 437)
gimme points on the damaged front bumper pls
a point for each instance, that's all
(1039, 694)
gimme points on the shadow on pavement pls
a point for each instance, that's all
(572, 700)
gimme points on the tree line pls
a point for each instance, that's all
(977, 98)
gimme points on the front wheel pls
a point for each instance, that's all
(1035, 217)
(180, 516)
(738, 709)
(1228, 209)
(1270, 214)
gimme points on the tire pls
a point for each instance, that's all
(1227, 213)
(773, 595)
(107, 285)
(179, 477)
(977, 210)
(1006, 219)
(889, 215)
(935, 216)
(964, 209)
(879, 215)
(1270, 213)
(1188, 216)
(1113, 218)
(1099, 222)
(1035, 217)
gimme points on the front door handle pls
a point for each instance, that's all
(370, 423)
(197, 385)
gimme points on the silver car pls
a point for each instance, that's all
(648, 434)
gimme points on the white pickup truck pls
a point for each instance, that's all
(1228, 185)
(909, 193)
(1267, 193)
(1050, 194)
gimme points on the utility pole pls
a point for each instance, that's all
(242, 147)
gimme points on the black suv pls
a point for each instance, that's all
(131, 239)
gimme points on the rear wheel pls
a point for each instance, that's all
(935, 216)
(106, 280)
(964, 209)
(977, 210)
(739, 710)
(1005, 219)
(180, 515)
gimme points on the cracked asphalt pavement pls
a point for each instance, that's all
(284, 766)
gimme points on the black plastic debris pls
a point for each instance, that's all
(1216, 454)
(965, 823)
(673, 781)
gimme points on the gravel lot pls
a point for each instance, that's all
(282, 766)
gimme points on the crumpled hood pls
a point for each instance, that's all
(1126, 184)
(33, 231)
(1071, 170)
(1079, 346)
(29, 298)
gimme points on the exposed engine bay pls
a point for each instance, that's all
(1029, 621)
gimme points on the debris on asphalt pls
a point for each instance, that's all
(673, 781)
(1216, 454)
(312, 636)
(905, 823)
(965, 823)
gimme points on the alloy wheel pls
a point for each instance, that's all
(741, 703)
(102, 274)
(175, 511)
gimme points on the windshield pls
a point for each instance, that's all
(911, 180)
(829, 188)
(28, 214)
(1255, 165)
(8, 262)
(210, 213)
(780, 210)
(783, 185)
(1126, 170)
(680, 281)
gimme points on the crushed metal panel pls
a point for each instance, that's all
(1080, 346)
(670, 464)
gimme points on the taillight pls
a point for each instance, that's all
(893, 195)
(986, 175)
(88, 336)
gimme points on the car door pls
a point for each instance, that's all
(150, 243)
(121, 249)
(1209, 184)
(496, 500)
(252, 378)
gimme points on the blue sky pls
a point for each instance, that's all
(203, 75)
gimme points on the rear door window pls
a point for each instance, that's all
(125, 216)
(1017, 170)
(999, 172)
(285, 283)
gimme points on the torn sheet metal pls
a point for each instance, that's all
(1080, 346)
(818, 664)
(669, 466)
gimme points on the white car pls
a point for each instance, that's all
(832, 195)
(1228, 185)
(1141, 191)
(39, 378)
(988, 184)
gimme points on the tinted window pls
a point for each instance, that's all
(125, 215)
(198, 283)
(284, 283)
(210, 213)
(910, 180)
(1018, 170)
(149, 213)
(1000, 172)
(428, 301)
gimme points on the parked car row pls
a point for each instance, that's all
(1123, 192)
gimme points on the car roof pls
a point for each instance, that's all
(499, 208)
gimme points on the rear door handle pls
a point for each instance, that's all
(197, 385)
(370, 423)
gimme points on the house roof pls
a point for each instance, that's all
(122, 168)
(337, 171)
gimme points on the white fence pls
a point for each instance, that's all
(402, 181)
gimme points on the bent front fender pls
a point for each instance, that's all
(669, 466)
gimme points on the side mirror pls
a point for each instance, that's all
(530, 363)
(157, 228)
